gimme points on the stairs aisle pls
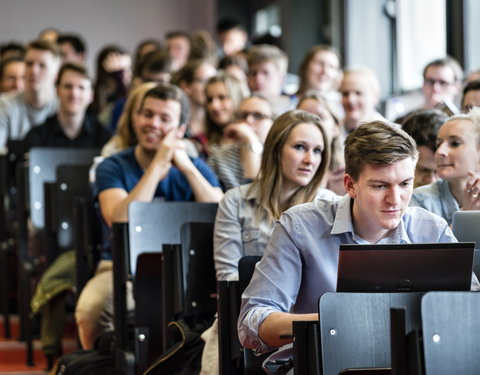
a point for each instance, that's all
(13, 354)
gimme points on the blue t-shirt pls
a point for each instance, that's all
(122, 171)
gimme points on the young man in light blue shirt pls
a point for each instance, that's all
(301, 258)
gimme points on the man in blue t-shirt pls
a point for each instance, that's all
(158, 166)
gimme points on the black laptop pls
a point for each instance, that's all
(405, 267)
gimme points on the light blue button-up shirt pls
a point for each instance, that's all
(301, 259)
(242, 228)
(437, 198)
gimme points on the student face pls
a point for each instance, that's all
(381, 195)
(358, 98)
(69, 54)
(265, 79)
(13, 79)
(457, 150)
(41, 69)
(196, 89)
(155, 120)
(470, 100)
(178, 49)
(322, 71)
(317, 108)
(233, 41)
(426, 169)
(439, 84)
(257, 113)
(220, 106)
(74, 93)
(301, 155)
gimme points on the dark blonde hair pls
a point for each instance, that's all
(270, 179)
(377, 143)
(262, 53)
(125, 136)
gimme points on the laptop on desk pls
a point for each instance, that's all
(405, 267)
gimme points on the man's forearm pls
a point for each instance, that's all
(279, 324)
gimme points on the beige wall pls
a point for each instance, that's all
(125, 22)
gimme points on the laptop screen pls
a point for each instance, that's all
(405, 267)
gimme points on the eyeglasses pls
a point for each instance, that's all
(202, 81)
(257, 116)
(441, 82)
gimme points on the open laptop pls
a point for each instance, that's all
(405, 267)
(466, 227)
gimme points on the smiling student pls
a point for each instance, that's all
(458, 165)
(301, 259)
(157, 166)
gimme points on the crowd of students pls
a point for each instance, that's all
(183, 120)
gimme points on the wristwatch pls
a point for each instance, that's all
(255, 147)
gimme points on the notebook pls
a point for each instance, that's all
(405, 267)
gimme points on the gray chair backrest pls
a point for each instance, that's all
(466, 227)
(43, 163)
(152, 224)
(451, 326)
(355, 328)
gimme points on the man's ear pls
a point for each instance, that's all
(349, 185)
(181, 131)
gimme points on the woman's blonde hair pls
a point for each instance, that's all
(474, 116)
(236, 90)
(270, 178)
(125, 136)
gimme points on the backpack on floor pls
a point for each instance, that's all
(85, 362)
(98, 361)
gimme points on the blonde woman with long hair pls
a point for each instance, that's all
(295, 158)
(124, 136)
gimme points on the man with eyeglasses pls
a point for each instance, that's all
(442, 82)
(238, 162)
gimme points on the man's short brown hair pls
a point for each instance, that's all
(74, 67)
(45, 45)
(377, 143)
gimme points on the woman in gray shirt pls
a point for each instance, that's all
(295, 159)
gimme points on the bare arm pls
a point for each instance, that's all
(279, 324)
(202, 190)
(244, 134)
(114, 202)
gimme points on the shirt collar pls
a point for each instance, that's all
(344, 224)
(343, 218)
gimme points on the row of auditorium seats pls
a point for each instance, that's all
(165, 251)
(46, 197)
(431, 333)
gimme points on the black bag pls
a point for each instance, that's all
(185, 356)
(98, 361)
(85, 362)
